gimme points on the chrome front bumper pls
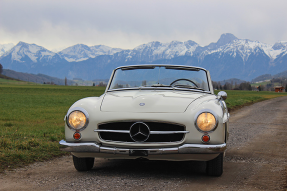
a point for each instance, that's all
(184, 149)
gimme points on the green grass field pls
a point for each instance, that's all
(237, 99)
(32, 118)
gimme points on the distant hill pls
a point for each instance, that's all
(8, 78)
(262, 78)
(36, 78)
(269, 76)
(281, 75)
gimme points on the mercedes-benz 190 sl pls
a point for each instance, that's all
(154, 112)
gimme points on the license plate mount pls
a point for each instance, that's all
(140, 153)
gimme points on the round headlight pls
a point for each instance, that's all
(77, 120)
(206, 122)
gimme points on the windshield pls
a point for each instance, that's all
(160, 76)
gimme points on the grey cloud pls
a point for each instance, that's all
(128, 23)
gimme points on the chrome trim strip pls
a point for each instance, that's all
(140, 120)
(151, 132)
(184, 149)
(79, 147)
(111, 131)
(143, 143)
(199, 148)
(168, 132)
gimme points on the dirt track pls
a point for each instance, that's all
(256, 159)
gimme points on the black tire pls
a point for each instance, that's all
(214, 167)
(83, 164)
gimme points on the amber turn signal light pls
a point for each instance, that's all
(77, 136)
(205, 138)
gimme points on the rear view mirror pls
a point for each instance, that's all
(222, 94)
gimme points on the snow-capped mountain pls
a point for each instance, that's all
(80, 52)
(223, 40)
(5, 47)
(280, 45)
(156, 50)
(22, 51)
(31, 58)
(104, 50)
(246, 47)
(227, 58)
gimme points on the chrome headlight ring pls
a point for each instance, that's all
(206, 111)
(81, 110)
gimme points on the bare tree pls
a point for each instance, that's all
(227, 86)
(1, 68)
(215, 85)
(220, 86)
(101, 84)
(245, 86)
(260, 88)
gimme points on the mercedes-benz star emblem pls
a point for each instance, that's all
(139, 132)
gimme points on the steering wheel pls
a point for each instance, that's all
(185, 80)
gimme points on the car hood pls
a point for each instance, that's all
(149, 101)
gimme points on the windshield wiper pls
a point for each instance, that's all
(187, 86)
(160, 85)
(137, 67)
(182, 68)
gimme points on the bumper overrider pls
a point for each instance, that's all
(183, 149)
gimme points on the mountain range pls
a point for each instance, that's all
(227, 58)
(39, 78)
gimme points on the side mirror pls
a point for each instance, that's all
(222, 94)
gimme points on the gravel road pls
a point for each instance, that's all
(255, 160)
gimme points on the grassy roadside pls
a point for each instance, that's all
(31, 118)
(237, 99)
(31, 121)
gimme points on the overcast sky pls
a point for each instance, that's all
(126, 24)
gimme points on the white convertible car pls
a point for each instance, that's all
(155, 112)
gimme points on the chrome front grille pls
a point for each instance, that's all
(141, 131)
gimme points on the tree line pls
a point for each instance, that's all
(231, 86)
(268, 86)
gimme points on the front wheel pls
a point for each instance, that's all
(83, 164)
(214, 167)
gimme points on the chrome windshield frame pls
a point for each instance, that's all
(167, 66)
